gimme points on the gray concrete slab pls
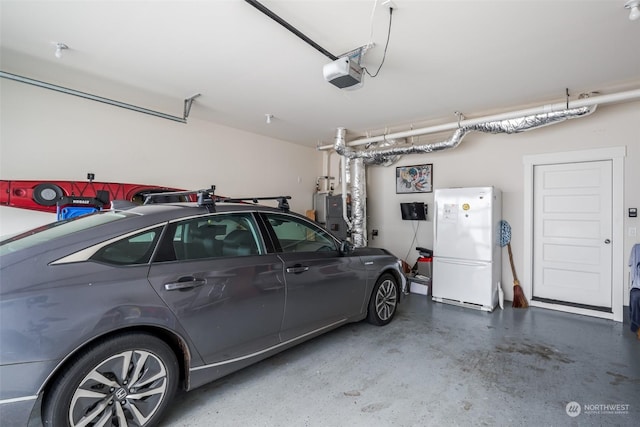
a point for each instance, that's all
(436, 364)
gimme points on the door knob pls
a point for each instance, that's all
(607, 241)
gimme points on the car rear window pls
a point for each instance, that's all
(58, 229)
(136, 249)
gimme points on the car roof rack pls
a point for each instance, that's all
(283, 205)
(208, 199)
(205, 197)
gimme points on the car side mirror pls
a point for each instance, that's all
(345, 248)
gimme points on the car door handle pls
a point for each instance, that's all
(297, 269)
(184, 283)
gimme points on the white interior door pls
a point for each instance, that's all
(572, 220)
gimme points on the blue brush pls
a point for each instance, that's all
(519, 300)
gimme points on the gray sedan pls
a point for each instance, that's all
(103, 317)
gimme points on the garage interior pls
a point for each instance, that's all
(486, 93)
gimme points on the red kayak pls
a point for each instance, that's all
(45, 195)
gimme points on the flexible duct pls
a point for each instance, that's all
(630, 95)
(508, 126)
(358, 200)
(358, 158)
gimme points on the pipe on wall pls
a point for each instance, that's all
(631, 95)
(379, 156)
(358, 201)
(344, 176)
(382, 156)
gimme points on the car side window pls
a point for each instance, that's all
(217, 235)
(297, 235)
(132, 250)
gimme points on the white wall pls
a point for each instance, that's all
(49, 135)
(484, 159)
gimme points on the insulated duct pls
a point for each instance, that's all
(358, 200)
(357, 158)
(345, 178)
(508, 126)
(630, 95)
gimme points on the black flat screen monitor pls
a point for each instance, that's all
(413, 211)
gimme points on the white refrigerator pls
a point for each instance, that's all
(466, 248)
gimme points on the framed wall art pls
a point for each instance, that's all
(414, 179)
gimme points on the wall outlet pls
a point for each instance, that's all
(633, 231)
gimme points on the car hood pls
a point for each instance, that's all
(370, 251)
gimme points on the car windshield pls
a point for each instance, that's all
(58, 229)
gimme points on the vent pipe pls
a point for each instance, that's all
(631, 95)
(509, 126)
(357, 158)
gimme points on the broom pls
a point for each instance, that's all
(519, 300)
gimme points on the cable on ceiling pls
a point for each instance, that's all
(384, 55)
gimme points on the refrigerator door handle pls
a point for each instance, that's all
(463, 262)
(435, 224)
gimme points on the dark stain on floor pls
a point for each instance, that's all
(619, 379)
(538, 350)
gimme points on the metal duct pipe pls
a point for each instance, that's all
(508, 126)
(358, 203)
(345, 174)
(357, 157)
(630, 95)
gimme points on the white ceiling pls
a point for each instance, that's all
(476, 57)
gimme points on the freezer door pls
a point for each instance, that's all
(464, 281)
(464, 223)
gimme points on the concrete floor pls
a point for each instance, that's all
(436, 364)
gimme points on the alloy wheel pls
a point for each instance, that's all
(386, 300)
(124, 390)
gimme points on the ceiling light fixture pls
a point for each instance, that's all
(634, 6)
(269, 117)
(59, 48)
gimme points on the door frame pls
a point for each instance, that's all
(616, 156)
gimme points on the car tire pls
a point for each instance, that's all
(384, 300)
(127, 380)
